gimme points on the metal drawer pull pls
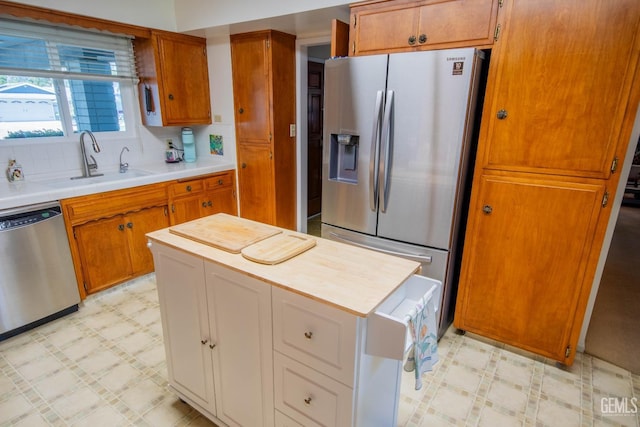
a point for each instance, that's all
(308, 335)
(307, 401)
(188, 188)
(211, 346)
(203, 342)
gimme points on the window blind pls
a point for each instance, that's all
(34, 49)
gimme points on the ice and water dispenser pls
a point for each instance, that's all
(343, 157)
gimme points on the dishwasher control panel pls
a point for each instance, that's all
(20, 220)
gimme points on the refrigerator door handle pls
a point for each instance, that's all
(385, 151)
(422, 258)
(374, 159)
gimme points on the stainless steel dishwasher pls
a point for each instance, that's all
(37, 280)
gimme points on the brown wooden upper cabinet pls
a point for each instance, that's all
(263, 65)
(174, 79)
(402, 26)
(562, 87)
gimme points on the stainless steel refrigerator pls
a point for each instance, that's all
(397, 131)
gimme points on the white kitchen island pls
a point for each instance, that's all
(250, 344)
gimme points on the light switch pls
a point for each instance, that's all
(292, 130)
(217, 118)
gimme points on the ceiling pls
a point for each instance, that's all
(311, 23)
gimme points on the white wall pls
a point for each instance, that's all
(147, 13)
(202, 14)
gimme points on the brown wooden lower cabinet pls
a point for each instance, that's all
(526, 253)
(107, 230)
(113, 250)
(194, 198)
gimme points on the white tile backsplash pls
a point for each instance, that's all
(59, 159)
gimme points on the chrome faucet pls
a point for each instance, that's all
(123, 166)
(88, 166)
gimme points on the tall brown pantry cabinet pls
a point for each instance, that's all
(562, 94)
(263, 65)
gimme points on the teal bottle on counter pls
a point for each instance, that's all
(188, 145)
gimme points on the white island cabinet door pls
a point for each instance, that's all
(185, 325)
(240, 323)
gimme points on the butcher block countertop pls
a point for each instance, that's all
(353, 279)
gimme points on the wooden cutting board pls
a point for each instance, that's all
(277, 249)
(225, 232)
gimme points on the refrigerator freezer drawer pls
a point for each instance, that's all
(387, 332)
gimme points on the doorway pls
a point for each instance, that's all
(317, 54)
(315, 102)
(614, 329)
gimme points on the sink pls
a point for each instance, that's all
(107, 177)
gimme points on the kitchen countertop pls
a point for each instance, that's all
(350, 278)
(28, 192)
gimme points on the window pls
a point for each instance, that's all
(58, 81)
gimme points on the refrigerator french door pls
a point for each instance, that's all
(397, 132)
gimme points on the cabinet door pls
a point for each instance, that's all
(562, 79)
(138, 224)
(222, 201)
(378, 30)
(221, 191)
(240, 324)
(459, 22)
(255, 175)
(103, 250)
(183, 308)
(184, 80)
(185, 209)
(436, 25)
(525, 258)
(251, 94)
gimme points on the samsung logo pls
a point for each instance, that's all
(456, 58)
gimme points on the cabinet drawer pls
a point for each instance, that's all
(105, 205)
(283, 421)
(308, 397)
(219, 181)
(185, 188)
(315, 334)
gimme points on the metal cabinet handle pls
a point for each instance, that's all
(209, 203)
(212, 346)
(422, 38)
(171, 96)
(220, 182)
(307, 401)
(502, 114)
(204, 204)
(244, 165)
(121, 227)
(203, 342)
(308, 335)
(412, 40)
(487, 209)
(129, 225)
(241, 110)
(188, 188)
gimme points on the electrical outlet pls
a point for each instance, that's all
(292, 130)
(169, 143)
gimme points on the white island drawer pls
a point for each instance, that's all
(309, 397)
(315, 334)
(387, 332)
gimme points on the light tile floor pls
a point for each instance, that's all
(105, 366)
